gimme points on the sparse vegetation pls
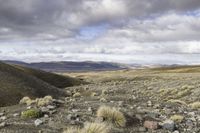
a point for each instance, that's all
(77, 94)
(95, 128)
(44, 101)
(195, 105)
(112, 115)
(26, 100)
(73, 130)
(31, 113)
(177, 118)
(177, 101)
(89, 128)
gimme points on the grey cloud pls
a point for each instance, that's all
(30, 17)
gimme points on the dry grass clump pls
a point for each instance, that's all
(27, 101)
(177, 118)
(95, 128)
(38, 101)
(112, 115)
(77, 94)
(89, 128)
(195, 105)
(93, 94)
(44, 101)
(177, 101)
(73, 130)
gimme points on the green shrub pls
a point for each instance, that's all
(31, 113)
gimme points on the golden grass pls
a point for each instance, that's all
(73, 130)
(95, 128)
(177, 118)
(195, 105)
(89, 128)
(112, 115)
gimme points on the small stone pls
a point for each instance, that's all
(176, 131)
(50, 107)
(1, 114)
(90, 109)
(153, 114)
(169, 125)
(3, 118)
(149, 103)
(44, 109)
(99, 119)
(121, 103)
(16, 114)
(29, 107)
(38, 122)
(3, 124)
(142, 129)
(46, 116)
(151, 125)
(52, 112)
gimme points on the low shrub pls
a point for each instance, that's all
(31, 113)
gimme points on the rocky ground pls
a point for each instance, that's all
(151, 101)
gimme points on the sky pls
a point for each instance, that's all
(125, 31)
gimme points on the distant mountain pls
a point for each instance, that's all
(17, 81)
(69, 66)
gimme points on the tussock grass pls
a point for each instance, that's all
(177, 118)
(44, 101)
(89, 128)
(112, 115)
(73, 130)
(195, 105)
(177, 101)
(77, 94)
(95, 128)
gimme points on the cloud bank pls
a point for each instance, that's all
(127, 31)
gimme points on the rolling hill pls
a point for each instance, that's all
(17, 82)
(69, 66)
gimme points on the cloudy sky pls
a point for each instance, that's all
(126, 31)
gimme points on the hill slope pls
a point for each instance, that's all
(17, 82)
(65, 66)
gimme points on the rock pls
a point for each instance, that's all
(3, 118)
(58, 101)
(3, 124)
(46, 116)
(16, 114)
(29, 107)
(151, 125)
(38, 122)
(153, 114)
(71, 117)
(1, 114)
(149, 103)
(44, 109)
(120, 103)
(169, 125)
(90, 109)
(52, 112)
(176, 131)
(51, 107)
(139, 117)
(99, 119)
(142, 129)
